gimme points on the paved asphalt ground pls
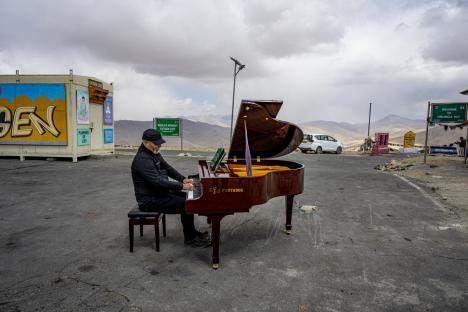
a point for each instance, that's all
(374, 243)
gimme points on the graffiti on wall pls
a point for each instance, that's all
(33, 114)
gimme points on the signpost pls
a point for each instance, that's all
(381, 144)
(171, 127)
(446, 114)
(409, 139)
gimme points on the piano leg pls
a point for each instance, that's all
(215, 231)
(289, 205)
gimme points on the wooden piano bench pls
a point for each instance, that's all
(138, 217)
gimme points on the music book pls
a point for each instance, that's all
(217, 158)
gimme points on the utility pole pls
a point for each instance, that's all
(427, 130)
(368, 141)
(368, 124)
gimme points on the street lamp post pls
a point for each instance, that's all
(368, 141)
(368, 124)
(237, 68)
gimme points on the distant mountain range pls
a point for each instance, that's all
(196, 135)
(355, 133)
(212, 131)
(217, 120)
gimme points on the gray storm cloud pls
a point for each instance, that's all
(326, 57)
(175, 38)
(446, 33)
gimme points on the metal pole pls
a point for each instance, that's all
(368, 124)
(181, 136)
(233, 92)
(466, 138)
(427, 130)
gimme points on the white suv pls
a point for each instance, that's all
(319, 143)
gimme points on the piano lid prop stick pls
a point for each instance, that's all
(248, 158)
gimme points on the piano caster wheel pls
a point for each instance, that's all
(215, 266)
(288, 232)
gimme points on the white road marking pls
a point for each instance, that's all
(424, 193)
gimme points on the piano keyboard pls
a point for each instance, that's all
(197, 191)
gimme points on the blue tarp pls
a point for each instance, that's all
(450, 150)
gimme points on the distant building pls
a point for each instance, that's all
(55, 116)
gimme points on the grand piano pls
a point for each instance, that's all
(249, 177)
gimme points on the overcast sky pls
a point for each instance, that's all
(325, 59)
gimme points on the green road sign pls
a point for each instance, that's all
(448, 112)
(167, 126)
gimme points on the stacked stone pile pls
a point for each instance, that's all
(393, 165)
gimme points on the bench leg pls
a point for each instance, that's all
(156, 233)
(142, 220)
(130, 232)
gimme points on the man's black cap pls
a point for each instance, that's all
(153, 136)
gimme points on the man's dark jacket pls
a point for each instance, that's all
(150, 174)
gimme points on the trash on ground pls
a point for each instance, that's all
(309, 208)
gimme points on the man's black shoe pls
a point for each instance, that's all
(202, 235)
(197, 242)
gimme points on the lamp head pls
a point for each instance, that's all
(235, 61)
(241, 66)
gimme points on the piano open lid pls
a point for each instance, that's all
(268, 137)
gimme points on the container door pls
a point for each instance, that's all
(96, 125)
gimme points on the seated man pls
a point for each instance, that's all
(154, 191)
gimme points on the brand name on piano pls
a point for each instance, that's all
(215, 190)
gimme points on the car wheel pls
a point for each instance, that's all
(318, 150)
(339, 150)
